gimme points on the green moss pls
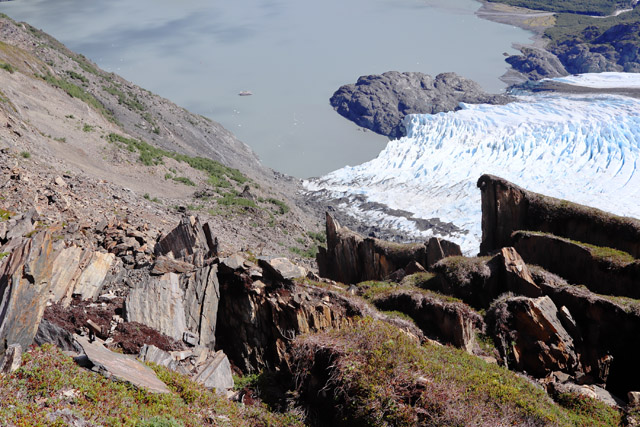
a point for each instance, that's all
(3, 254)
(184, 180)
(5, 214)
(25, 154)
(77, 76)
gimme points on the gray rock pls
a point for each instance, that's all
(216, 374)
(233, 262)
(120, 366)
(12, 359)
(201, 299)
(49, 333)
(536, 64)
(189, 241)
(282, 268)
(190, 338)
(151, 353)
(381, 102)
(158, 303)
(634, 398)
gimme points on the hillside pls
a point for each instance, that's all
(152, 273)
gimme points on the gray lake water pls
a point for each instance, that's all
(291, 54)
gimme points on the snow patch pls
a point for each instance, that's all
(608, 80)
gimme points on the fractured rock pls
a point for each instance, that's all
(49, 333)
(120, 366)
(158, 303)
(216, 374)
(518, 279)
(189, 241)
(531, 337)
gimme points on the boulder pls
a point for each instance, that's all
(216, 373)
(120, 366)
(438, 249)
(151, 353)
(531, 337)
(281, 269)
(535, 64)
(517, 277)
(49, 333)
(381, 102)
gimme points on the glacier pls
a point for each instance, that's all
(584, 148)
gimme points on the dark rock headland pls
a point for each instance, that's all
(380, 102)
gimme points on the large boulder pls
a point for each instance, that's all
(536, 64)
(381, 102)
(531, 337)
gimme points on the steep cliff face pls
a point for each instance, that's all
(507, 208)
(351, 258)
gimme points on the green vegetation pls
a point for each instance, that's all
(380, 376)
(127, 99)
(282, 206)
(25, 154)
(232, 199)
(150, 155)
(184, 180)
(7, 67)
(75, 91)
(60, 139)
(3, 254)
(572, 26)
(309, 252)
(87, 128)
(77, 76)
(148, 197)
(586, 7)
(5, 214)
(49, 381)
(320, 237)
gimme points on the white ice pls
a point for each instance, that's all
(583, 149)
(609, 80)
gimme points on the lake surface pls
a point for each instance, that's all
(291, 54)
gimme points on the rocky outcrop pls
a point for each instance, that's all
(479, 281)
(594, 51)
(448, 322)
(531, 336)
(602, 333)
(380, 102)
(602, 271)
(507, 208)
(351, 258)
(536, 64)
(177, 303)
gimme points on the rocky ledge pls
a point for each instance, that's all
(381, 102)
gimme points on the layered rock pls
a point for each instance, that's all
(531, 336)
(603, 271)
(351, 258)
(507, 208)
(380, 102)
(449, 322)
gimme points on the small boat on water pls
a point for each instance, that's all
(245, 93)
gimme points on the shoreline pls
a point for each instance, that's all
(530, 20)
